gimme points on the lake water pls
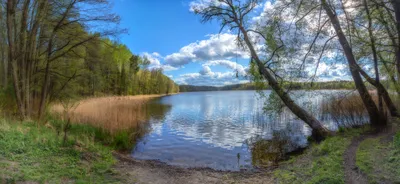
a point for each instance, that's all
(215, 129)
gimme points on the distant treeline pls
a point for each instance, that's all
(287, 85)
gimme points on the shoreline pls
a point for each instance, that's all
(124, 157)
(154, 171)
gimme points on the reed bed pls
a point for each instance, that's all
(347, 110)
(113, 114)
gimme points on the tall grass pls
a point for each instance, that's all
(122, 140)
(115, 121)
(113, 114)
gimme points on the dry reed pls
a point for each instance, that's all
(347, 110)
(109, 113)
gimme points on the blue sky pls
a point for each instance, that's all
(159, 25)
(160, 28)
(173, 38)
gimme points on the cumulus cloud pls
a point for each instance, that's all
(229, 64)
(206, 70)
(155, 62)
(218, 46)
(207, 77)
(154, 57)
(219, 49)
(333, 71)
(263, 15)
(199, 5)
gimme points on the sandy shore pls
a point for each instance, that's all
(138, 171)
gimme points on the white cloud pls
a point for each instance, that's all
(209, 78)
(326, 72)
(229, 64)
(218, 46)
(219, 49)
(154, 59)
(199, 5)
(206, 70)
(263, 15)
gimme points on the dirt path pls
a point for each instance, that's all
(134, 171)
(353, 175)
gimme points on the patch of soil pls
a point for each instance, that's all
(353, 175)
(136, 171)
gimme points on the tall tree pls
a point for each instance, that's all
(3, 51)
(233, 14)
(376, 117)
(40, 33)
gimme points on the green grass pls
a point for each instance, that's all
(321, 163)
(122, 141)
(380, 160)
(38, 154)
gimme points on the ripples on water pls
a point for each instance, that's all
(215, 129)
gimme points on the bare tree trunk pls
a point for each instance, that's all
(4, 60)
(2, 51)
(391, 75)
(376, 118)
(3, 64)
(45, 87)
(11, 8)
(396, 7)
(32, 50)
(396, 49)
(384, 93)
(375, 56)
(23, 57)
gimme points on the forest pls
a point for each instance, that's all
(52, 50)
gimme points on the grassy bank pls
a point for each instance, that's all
(38, 154)
(76, 151)
(321, 163)
(379, 159)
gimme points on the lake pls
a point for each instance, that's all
(215, 129)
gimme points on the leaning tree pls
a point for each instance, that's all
(233, 14)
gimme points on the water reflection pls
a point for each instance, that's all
(215, 129)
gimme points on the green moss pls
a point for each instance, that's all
(31, 153)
